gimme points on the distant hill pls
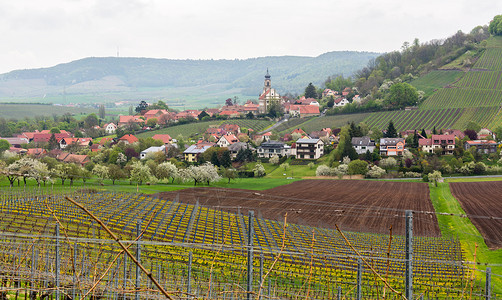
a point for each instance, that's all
(191, 83)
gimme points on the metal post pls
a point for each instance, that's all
(138, 258)
(409, 254)
(74, 270)
(250, 254)
(189, 280)
(57, 261)
(339, 293)
(124, 282)
(488, 287)
(359, 278)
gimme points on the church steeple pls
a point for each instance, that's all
(267, 80)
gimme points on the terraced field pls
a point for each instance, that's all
(313, 262)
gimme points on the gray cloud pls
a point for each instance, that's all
(60, 31)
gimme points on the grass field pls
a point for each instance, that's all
(186, 130)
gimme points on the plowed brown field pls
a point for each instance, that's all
(356, 205)
(483, 202)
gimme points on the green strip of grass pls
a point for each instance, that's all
(462, 228)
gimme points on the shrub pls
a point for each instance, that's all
(323, 170)
(357, 167)
(375, 172)
(412, 175)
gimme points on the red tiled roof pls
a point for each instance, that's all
(165, 138)
(129, 138)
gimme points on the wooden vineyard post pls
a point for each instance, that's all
(409, 254)
(250, 255)
(138, 258)
(359, 278)
(488, 287)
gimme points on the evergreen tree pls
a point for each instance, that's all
(415, 140)
(214, 159)
(434, 130)
(424, 134)
(355, 131)
(226, 160)
(141, 106)
(310, 91)
(202, 115)
(391, 131)
(331, 102)
(53, 143)
(101, 111)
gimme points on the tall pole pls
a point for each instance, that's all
(409, 254)
(250, 254)
(57, 261)
(138, 258)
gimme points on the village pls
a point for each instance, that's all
(378, 153)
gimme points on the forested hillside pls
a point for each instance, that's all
(139, 78)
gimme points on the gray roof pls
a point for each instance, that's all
(272, 144)
(362, 141)
(307, 141)
(154, 149)
(390, 141)
(195, 149)
(239, 146)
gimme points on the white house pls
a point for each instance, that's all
(110, 128)
(363, 144)
(152, 150)
(272, 148)
(308, 148)
(227, 140)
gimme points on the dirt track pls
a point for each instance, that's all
(365, 206)
(483, 202)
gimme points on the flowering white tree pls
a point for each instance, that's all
(166, 170)
(100, 171)
(323, 170)
(375, 172)
(204, 173)
(140, 172)
(274, 159)
(388, 163)
(121, 159)
(259, 170)
(29, 168)
(435, 177)
(342, 169)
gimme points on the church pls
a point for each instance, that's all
(268, 96)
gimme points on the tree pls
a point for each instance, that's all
(274, 160)
(140, 172)
(391, 131)
(388, 163)
(471, 125)
(53, 143)
(375, 172)
(214, 158)
(285, 166)
(358, 167)
(323, 170)
(401, 95)
(29, 168)
(202, 115)
(141, 106)
(4, 145)
(228, 102)
(495, 26)
(331, 102)
(250, 115)
(101, 111)
(167, 170)
(471, 134)
(355, 131)
(259, 170)
(101, 171)
(225, 159)
(230, 173)
(116, 173)
(310, 91)
(91, 121)
(435, 177)
(55, 130)
(204, 173)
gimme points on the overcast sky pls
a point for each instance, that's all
(45, 33)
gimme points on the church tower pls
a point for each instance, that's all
(267, 81)
(268, 95)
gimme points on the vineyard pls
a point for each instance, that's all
(256, 125)
(435, 80)
(48, 245)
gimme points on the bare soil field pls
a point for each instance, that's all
(482, 201)
(354, 205)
